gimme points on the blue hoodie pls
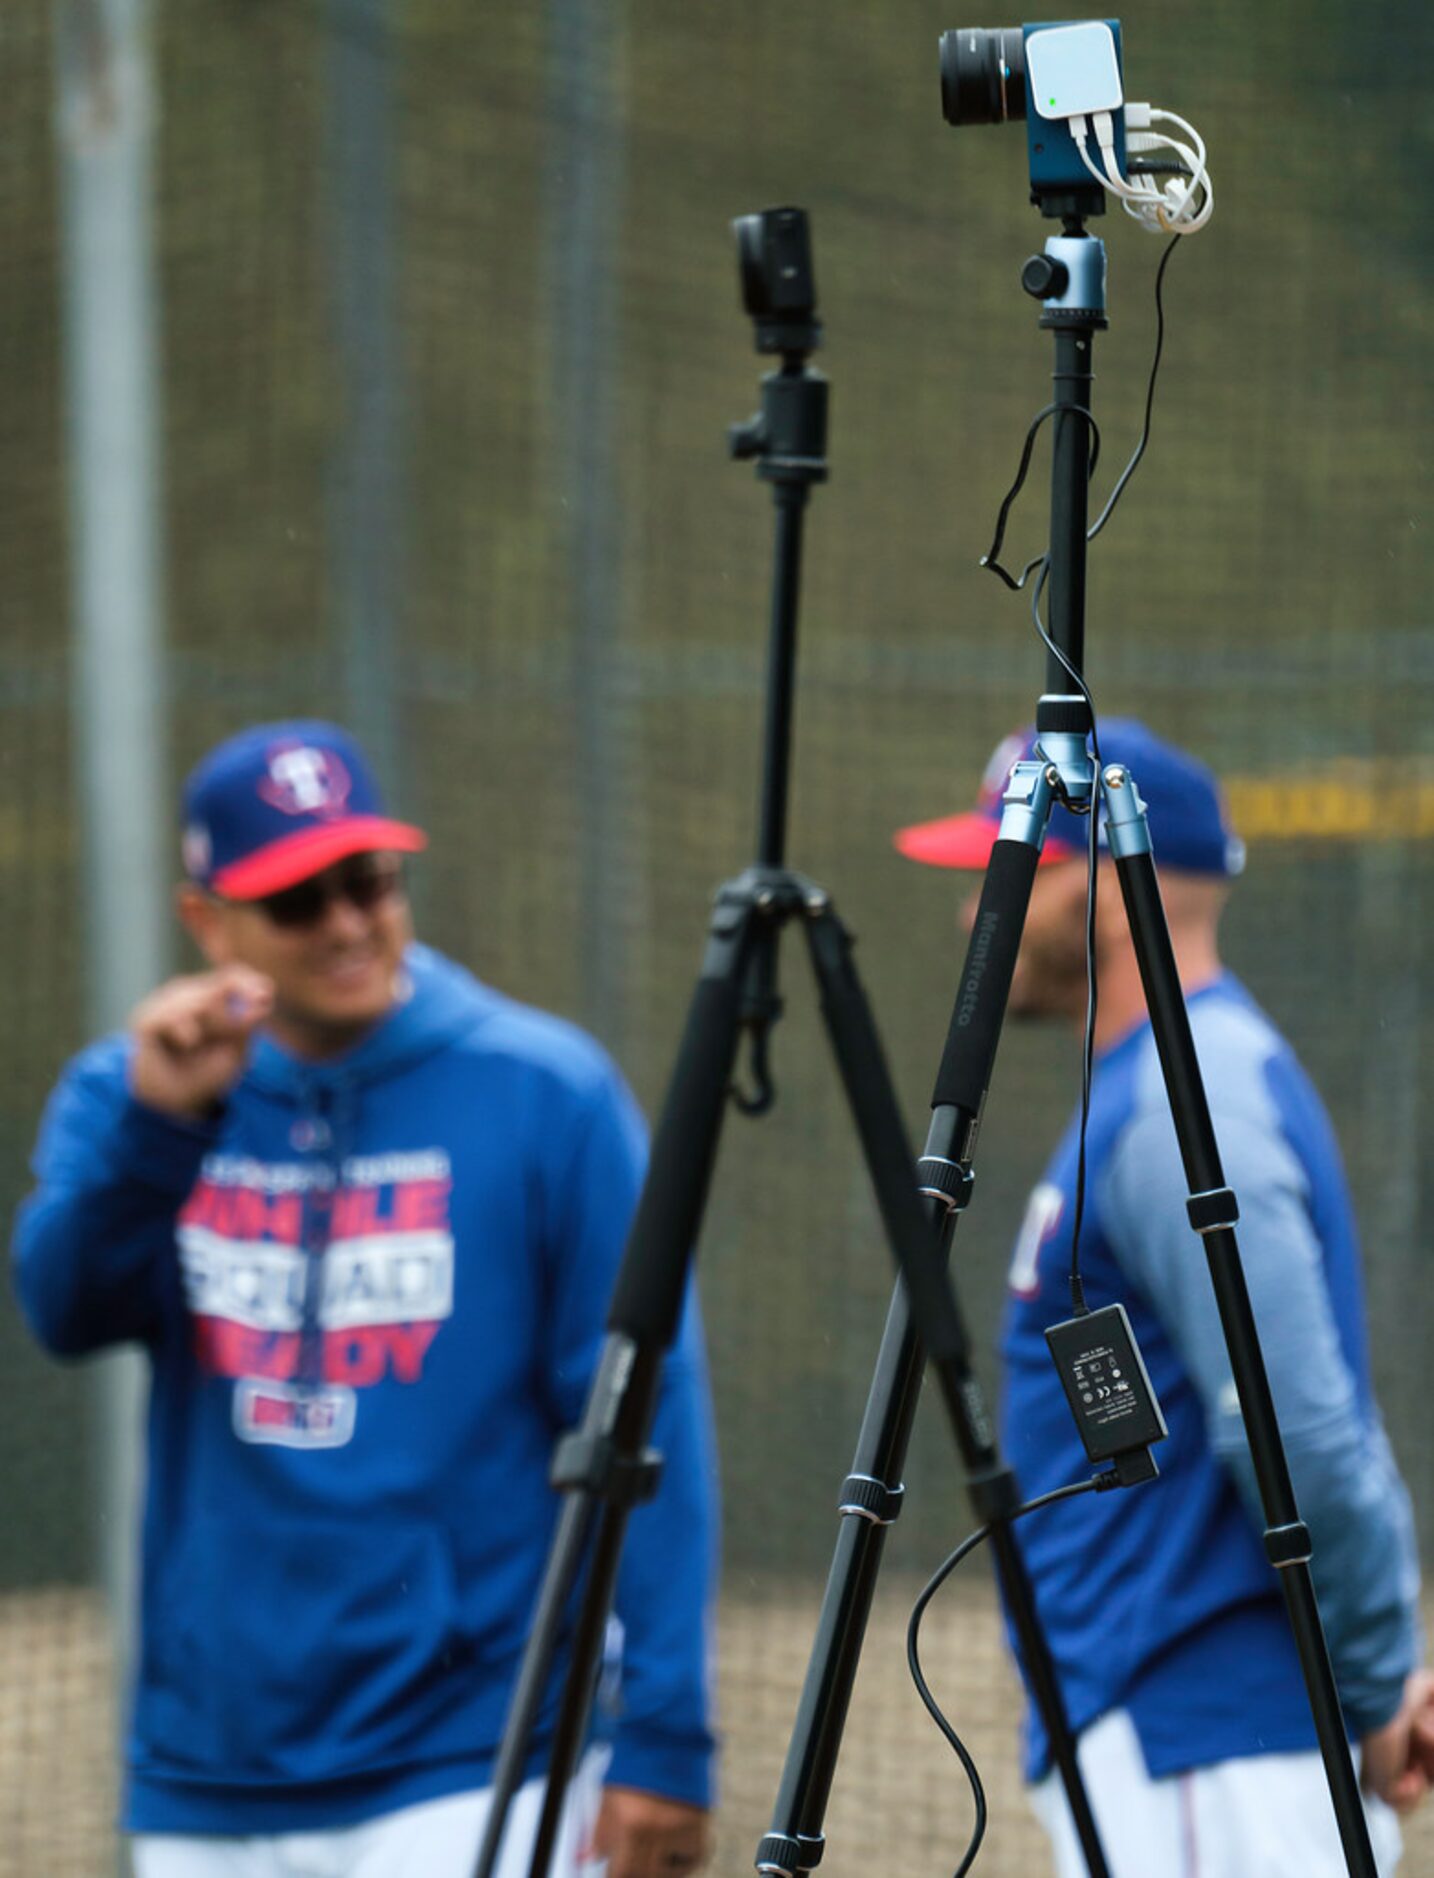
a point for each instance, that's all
(373, 1294)
(1161, 1601)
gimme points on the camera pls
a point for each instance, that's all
(774, 255)
(1041, 75)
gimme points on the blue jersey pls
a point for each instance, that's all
(1161, 1600)
(372, 1294)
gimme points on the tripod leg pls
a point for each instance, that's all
(604, 1461)
(587, 1642)
(867, 1082)
(1213, 1212)
(570, 1544)
(870, 1501)
(920, 1236)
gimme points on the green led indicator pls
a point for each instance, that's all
(1052, 100)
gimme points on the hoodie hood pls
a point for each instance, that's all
(438, 1004)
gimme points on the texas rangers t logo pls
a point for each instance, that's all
(305, 781)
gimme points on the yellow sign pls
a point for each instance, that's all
(1349, 799)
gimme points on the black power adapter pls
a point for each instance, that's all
(1101, 1371)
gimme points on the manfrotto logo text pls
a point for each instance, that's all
(976, 965)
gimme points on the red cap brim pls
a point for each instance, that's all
(964, 841)
(285, 863)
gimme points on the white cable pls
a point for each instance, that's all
(1199, 174)
(1106, 175)
(1173, 209)
(1177, 207)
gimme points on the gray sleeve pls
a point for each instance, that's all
(1349, 1492)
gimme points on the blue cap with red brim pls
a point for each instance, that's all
(279, 802)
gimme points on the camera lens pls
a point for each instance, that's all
(983, 75)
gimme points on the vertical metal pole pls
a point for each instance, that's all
(105, 123)
(368, 484)
(790, 497)
(1070, 491)
(584, 189)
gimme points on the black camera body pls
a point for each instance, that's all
(774, 256)
(1040, 74)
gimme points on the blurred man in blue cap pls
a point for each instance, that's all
(364, 1215)
(1165, 1618)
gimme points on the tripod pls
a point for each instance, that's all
(605, 1467)
(1070, 279)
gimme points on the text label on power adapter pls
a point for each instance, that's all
(1104, 1378)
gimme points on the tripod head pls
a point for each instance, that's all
(788, 435)
(1069, 278)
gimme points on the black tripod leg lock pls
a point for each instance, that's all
(869, 1498)
(782, 1857)
(950, 1182)
(1289, 1545)
(597, 1465)
(1212, 1211)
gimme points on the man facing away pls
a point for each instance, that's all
(1165, 1618)
(364, 1215)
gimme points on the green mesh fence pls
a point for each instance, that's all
(451, 337)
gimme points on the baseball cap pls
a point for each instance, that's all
(279, 802)
(1189, 825)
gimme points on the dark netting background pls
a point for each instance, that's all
(451, 339)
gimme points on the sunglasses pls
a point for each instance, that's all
(364, 880)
